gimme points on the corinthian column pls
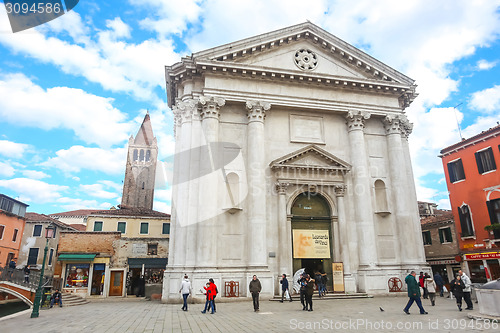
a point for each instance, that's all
(256, 183)
(363, 211)
(208, 209)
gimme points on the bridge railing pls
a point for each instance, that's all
(17, 276)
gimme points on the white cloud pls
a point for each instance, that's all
(12, 149)
(6, 170)
(164, 195)
(34, 191)
(33, 174)
(76, 158)
(112, 185)
(118, 28)
(93, 119)
(444, 204)
(97, 190)
(487, 100)
(162, 207)
(77, 203)
(484, 65)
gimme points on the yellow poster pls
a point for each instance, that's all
(311, 244)
(338, 277)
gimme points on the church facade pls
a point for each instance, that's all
(291, 153)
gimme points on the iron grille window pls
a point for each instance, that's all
(456, 171)
(153, 249)
(33, 256)
(485, 160)
(426, 235)
(465, 221)
(445, 235)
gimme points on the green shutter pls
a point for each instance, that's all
(441, 236)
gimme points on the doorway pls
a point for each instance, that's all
(116, 285)
(98, 279)
(311, 216)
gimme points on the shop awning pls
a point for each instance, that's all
(76, 257)
(148, 262)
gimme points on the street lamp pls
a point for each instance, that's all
(50, 231)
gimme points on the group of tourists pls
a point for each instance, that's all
(460, 287)
(210, 290)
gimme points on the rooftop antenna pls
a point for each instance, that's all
(456, 118)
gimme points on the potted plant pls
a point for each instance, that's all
(492, 229)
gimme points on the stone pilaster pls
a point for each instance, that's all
(349, 281)
(363, 210)
(285, 232)
(256, 167)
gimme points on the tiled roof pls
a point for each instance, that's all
(443, 215)
(35, 217)
(131, 212)
(79, 212)
(79, 227)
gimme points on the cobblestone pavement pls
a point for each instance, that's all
(359, 315)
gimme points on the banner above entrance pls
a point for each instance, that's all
(311, 244)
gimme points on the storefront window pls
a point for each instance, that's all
(477, 273)
(153, 275)
(77, 275)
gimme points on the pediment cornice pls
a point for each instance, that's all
(310, 158)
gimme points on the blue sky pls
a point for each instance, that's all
(73, 90)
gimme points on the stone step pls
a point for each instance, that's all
(328, 296)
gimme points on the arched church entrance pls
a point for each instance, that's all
(312, 239)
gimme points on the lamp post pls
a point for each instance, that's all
(49, 233)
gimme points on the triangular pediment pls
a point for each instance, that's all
(278, 50)
(311, 157)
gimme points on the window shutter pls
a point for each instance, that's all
(451, 173)
(441, 236)
(479, 162)
(493, 164)
(491, 211)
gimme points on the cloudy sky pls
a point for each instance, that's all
(73, 90)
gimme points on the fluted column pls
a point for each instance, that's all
(208, 186)
(256, 183)
(363, 211)
(285, 232)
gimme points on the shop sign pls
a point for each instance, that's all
(482, 256)
(338, 277)
(443, 262)
(311, 244)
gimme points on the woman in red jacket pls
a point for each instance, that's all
(210, 291)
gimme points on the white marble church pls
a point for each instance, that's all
(291, 152)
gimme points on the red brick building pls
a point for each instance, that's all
(473, 179)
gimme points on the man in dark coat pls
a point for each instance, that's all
(440, 283)
(56, 298)
(413, 293)
(302, 283)
(284, 288)
(255, 289)
(309, 293)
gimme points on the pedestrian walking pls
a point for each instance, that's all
(319, 283)
(255, 289)
(324, 279)
(309, 293)
(421, 281)
(27, 274)
(284, 288)
(467, 289)
(440, 283)
(209, 291)
(413, 293)
(185, 291)
(215, 294)
(302, 283)
(457, 287)
(430, 286)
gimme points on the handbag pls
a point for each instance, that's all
(287, 295)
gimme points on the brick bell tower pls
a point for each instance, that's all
(139, 183)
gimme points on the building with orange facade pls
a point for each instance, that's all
(473, 179)
(12, 224)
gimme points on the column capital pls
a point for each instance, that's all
(397, 124)
(185, 110)
(210, 105)
(281, 187)
(340, 190)
(257, 110)
(356, 119)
